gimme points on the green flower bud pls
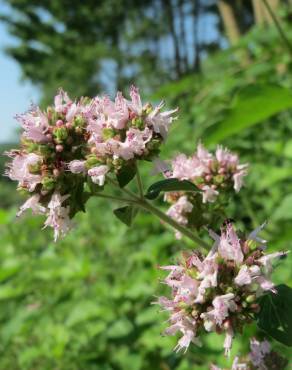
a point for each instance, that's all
(34, 168)
(182, 305)
(48, 183)
(61, 134)
(108, 133)
(31, 147)
(219, 179)
(148, 108)
(251, 298)
(92, 161)
(79, 121)
(22, 191)
(252, 244)
(138, 122)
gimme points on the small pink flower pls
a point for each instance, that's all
(136, 103)
(34, 205)
(229, 246)
(77, 166)
(19, 170)
(209, 195)
(258, 352)
(160, 121)
(58, 216)
(98, 173)
(62, 102)
(35, 125)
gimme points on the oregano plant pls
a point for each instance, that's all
(75, 150)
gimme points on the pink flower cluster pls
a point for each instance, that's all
(261, 357)
(127, 129)
(218, 293)
(212, 174)
(74, 142)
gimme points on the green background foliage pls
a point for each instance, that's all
(85, 303)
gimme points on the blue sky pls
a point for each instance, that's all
(15, 95)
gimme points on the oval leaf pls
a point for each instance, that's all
(169, 185)
(275, 315)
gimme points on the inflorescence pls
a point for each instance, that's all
(218, 293)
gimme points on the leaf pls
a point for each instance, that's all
(283, 212)
(126, 174)
(251, 105)
(169, 185)
(275, 315)
(120, 328)
(126, 214)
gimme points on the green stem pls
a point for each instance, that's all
(111, 197)
(163, 217)
(278, 26)
(139, 183)
(142, 203)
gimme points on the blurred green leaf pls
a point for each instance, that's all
(283, 212)
(252, 105)
(120, 328)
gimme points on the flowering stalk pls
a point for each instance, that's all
(74, 149)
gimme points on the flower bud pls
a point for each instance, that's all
(60, 134)
(79, 121)
(34, 168)
(59, 148)
(56, 172)
(59, 123)
(138, 122)
(251, 298)
(219, 179)
(48, 183)
(108, 133)
(92, 161)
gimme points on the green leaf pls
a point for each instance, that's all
(169, 185)
(126, 214)
(251, 105)
(283, 212)
(275, 315)
(126, 174)
(120, 328)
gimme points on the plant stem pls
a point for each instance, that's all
(163, 217)
(139, 183)
(142, 203)
(278, 26)
(111, 197)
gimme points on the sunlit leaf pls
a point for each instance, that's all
(252, 105)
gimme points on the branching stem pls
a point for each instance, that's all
(141, 202)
